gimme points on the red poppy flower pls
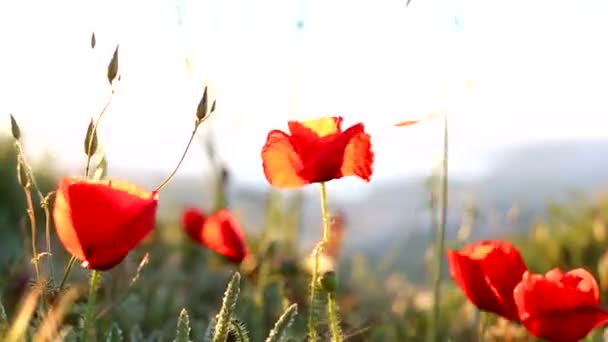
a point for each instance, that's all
(221, 232)
(487, 272)
(316, 151)
(192, 221)
(99, 222)
(560, 307)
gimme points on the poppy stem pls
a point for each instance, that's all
(94, 284)
(47, 230)
(332, 311)
(32, 216)
(440, 238)
(67, 272)
(334, 323)
(181, 160)
(90, 142)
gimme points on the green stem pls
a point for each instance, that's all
(332, 310)
(32, 216)
(312, 330)
(47, 229)
(440, 242)
(94, 284)
(331, 297)
(67, 272)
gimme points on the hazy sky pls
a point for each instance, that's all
(507, 72)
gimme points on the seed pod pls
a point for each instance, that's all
(201, 110)
(90, 141)
(15, 128)
(113, 66)
(93, 40)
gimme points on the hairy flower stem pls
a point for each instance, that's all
(334, 324)
(181, 160)
(312, 330)
(332, 310)
(440, 241)
(94, 284)
(32, 216)
(47, 230)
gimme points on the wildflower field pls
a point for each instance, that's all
(84, 257)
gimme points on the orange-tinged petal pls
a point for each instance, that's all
(223, 234)
(318, 128)
(358, 157)
(281, 162)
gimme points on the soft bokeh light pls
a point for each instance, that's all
(507, 72)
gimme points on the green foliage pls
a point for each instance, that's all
(224, 317)
(136, 335)
(183, 327)
(238, 331)
(280, 327)
(3, 320)
(114, 333)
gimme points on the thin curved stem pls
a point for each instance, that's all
(67, 272)
(32, 216)
(90, 142)
(47, 229)
(181, 160)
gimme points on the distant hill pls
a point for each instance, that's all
(527, 176)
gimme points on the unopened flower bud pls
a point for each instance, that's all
(329, 281)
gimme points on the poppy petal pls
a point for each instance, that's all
(358, 157)
(281, 162)
(311, 130)
(223, 234)
(479, 270)
(99, 222)
(559, 306)
(192, 221)
(329, 157)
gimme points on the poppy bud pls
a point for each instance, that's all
(329, 281)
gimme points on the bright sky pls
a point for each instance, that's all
(507, 72)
